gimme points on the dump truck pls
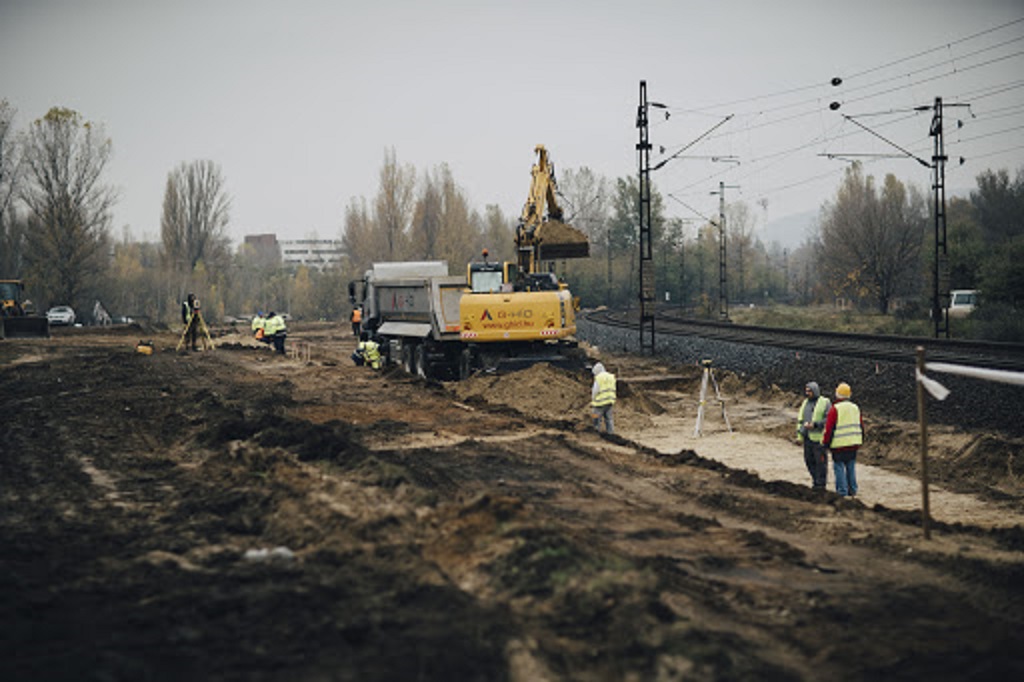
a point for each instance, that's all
(19, 320)
(412, 310)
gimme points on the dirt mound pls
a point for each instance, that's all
(541, 390)
(552, 393)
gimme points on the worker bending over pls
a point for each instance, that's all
(368, 351)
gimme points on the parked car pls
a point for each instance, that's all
(962, 302)
(61, 314)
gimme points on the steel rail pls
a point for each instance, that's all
(987, 354)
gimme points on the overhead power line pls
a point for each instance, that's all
(733, 104)
(936, 49)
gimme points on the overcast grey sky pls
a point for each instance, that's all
(297, 101)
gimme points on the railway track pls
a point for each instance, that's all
(986, 354)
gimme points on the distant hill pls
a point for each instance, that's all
(789, 231)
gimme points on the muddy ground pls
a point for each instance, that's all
(236, 514)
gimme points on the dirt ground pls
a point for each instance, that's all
(236, 514)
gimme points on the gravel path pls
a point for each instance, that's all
(887, 388)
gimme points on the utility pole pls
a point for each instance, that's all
(785, 274)
(940, 272)
(683, 299)
(940, 276)
(723, 295)
(647, 292)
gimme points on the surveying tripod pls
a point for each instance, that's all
(203, 332)
(709, 373)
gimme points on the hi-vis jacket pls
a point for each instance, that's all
(817, 429)
(370, 351)
(275, 325)
(604, 390)
(844, 429)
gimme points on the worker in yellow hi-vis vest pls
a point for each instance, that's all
(602, 398)
(844, 434)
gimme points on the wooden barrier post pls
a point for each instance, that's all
(923, 419)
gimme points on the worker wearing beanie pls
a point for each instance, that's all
(602, 398)
(810, 426)
(844, 434)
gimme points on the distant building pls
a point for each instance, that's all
(313, 253)
(264, 248)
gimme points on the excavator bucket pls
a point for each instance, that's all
(26, 327)
(559, 241)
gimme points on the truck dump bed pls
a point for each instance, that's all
(419, 306)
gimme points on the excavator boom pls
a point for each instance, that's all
(541, 234)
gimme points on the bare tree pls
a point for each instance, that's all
(361, 240)
(426, 222)
(12, 233)
(69, 206)
(586, 197)
(195, 215)
(394, 204)
(498, 235)
(871, 243)
(458, 237)
(741, 230)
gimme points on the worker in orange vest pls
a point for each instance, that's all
(357, 318)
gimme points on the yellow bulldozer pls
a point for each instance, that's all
(19, 320)
(518, 313)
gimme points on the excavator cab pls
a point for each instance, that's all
(489, 277)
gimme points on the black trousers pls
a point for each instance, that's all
(816, 459)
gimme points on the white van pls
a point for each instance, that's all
(962, 302)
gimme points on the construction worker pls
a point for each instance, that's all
(810, 425)
(369, 350)
(259, 323)
(844, 434)
(190, 318)
(276, 331)
(602, 398)
(356, 319)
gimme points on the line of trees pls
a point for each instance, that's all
(872, 244)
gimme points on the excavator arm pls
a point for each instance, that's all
(541, 234)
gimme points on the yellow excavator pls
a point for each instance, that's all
(19, 322)
(516, 313)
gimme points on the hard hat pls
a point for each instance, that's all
(598, 368)
(843, 390)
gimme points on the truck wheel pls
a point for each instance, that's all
(465, 364)
(421, 360)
